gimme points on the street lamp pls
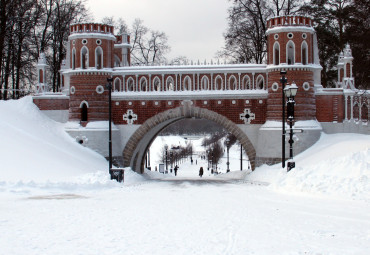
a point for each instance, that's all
(290, 92)
(166, 148)
(283, 81)
(241, 157)
(109, 87)
(227, 142)
(116, 173)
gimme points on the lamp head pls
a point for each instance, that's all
(287, 91)
(293, 89)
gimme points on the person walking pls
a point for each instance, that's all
(201, 171)
(176, 167)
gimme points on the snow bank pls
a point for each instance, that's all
(36, 151)
(337, 165)
(36, 148)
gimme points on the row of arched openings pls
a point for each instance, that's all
(290, 53)
(84, 58)
(360, 112)
(188, 84)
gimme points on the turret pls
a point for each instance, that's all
(42, 85)
(291, 44)
(345, 76)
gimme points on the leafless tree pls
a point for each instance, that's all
(148, 47)
(245, 39)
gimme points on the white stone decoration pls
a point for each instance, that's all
(72, 90)
(247, 116)
(275, 86)
(99, 89)
(306, 86)
(130, 117)
(81, 139)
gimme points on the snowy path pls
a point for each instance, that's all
(181, 217)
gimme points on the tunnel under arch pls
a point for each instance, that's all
(138, 144)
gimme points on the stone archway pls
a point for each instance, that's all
(136, 147)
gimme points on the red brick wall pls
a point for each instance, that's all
(106, 45)
(226, 108)
(51, 103)
(305, 100)
(330, 108)
(85, 90)
(283, 40)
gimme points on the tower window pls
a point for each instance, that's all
(99, 58)
(84, 58)
(304, 53)
(290, 53)
(276, 53)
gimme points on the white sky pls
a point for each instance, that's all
(194, 27)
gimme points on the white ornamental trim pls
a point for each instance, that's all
(275, 86)
(130, 117)
(99, 89)
(247, 116)
(306, 86)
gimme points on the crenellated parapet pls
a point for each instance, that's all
(281, 21)
(91, 28)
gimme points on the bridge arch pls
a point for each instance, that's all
(138, 144)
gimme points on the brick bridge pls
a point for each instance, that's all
(245, 99)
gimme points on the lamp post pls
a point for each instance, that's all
(241, 157)
(109, 87)
(166, 148)
(283, 81)
(290, 93)
(227, 142)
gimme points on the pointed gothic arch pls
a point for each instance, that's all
(233, 84)
(117, 61)
(157, 85)
(84, 57)
(276, 53)
(260, 82)
(73, 58)
(290, 53)
(170, 84)
(246, 82)
(117, 84)
(218, 83)
(204, 83)
(143, 84)
(187, 83)
(98, 58)
(304, 53)
(130, 84)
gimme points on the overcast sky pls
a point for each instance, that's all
(194, 27)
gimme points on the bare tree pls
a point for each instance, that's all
(245, 39)
(148, 46)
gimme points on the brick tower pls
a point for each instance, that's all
(292, 47)
(92, 52)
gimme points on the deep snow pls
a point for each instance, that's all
(56, 198)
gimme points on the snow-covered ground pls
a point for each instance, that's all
(56, 198)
